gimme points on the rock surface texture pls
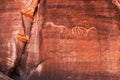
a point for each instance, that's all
(4, 77)
(60, 39)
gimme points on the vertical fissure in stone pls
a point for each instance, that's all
(24, 28)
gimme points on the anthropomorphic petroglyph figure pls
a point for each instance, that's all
(116, 2)
(81, 31)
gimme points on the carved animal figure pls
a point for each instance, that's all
(62, 28)
(81, 31)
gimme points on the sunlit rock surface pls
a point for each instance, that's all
(10, 25)
(60, 39)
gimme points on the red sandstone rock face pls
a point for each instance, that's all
(10, 25)
(60, 39)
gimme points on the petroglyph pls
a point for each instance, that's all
(116, 2)
(79, 32)
(61, 27)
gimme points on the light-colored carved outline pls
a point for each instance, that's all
(81, 31)
(57, 26)
(78, 32)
